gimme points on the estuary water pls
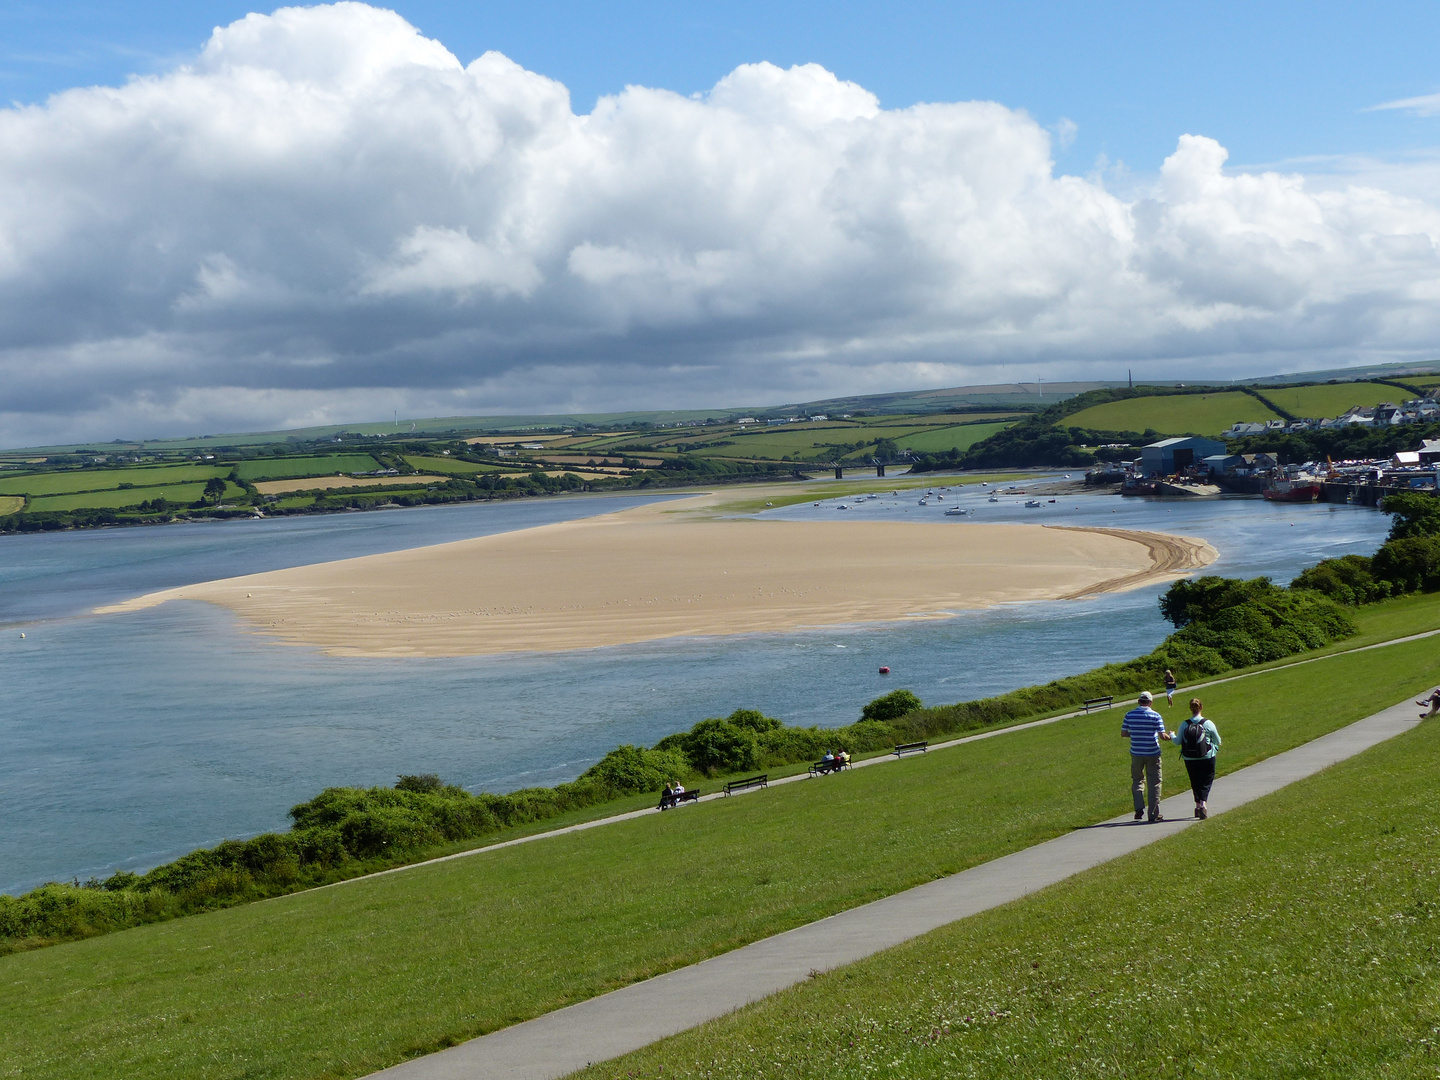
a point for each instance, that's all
(128, 740)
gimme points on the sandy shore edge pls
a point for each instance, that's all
(674, 569)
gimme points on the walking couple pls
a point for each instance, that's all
(1199, 743)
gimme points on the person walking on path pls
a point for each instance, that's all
(1145, 727)
(1199, 743)
(1170, 685)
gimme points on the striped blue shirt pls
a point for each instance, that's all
(1144, 726)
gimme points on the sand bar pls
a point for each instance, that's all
(660, 571)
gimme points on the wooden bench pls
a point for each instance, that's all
(685, 796)
(820, 768)
(732, 786)
(911, 748)
(1098, 703)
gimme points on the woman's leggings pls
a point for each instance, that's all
(1202, 775)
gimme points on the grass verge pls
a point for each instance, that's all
(341, 981)
(1293, 937)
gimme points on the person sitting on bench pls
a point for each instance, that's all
(667, 797)
(828, 761)
(842, 758)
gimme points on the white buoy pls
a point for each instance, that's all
(22, 637)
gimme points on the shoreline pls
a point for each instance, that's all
(676, 569)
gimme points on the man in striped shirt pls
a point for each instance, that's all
(1145, 727)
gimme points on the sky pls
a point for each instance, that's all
(213, 219)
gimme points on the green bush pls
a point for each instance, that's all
(892, 706)
(627, 770)
(1409, 564)
(1346, 580)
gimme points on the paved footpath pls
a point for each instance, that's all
(605, 1027)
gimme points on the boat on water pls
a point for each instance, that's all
(1033, 503)
(993, 497)
(1298, 489)
(843, 506)
(924, 502)
(956, 511)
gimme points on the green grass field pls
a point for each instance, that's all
(60, 483)
(110, 500)
(1322, 401)
(448, 466)
(11, 504)
(1182, 414)
(1293, 937)
(293, 468)
(960, 437)
(340, 981)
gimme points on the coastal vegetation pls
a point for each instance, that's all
(327, 981)
(1306, 949)
(1221, 625)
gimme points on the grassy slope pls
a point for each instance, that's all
(1318, 402)
(1201, 414)
(11, 504)
(340, 981)
(59, 483)
(289, 468)
(959, 438)
(1313, 953)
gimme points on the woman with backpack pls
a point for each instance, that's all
(1199, 742)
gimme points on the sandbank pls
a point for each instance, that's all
(663, 571)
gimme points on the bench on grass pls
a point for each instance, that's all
(1098, 703)
(675, 800)
(732, 786)
(820, 768)
(911, 748)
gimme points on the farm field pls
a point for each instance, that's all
(451, 466)
(1323, 401)
(112, 500)
(329, 483)
(323, 983)
(288, 468)
(11, 504)
(1314, 956)
(960, 437)
(60, 483)
(1181, 414)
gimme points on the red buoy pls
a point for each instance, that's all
(884, 671)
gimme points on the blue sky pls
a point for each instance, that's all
(1274, 82)
(336, 213)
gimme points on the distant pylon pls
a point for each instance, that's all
(1131, 376)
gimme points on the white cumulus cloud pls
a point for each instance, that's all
(327, 215)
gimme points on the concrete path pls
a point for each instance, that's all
(604, 1027)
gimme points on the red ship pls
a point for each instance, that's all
(1302, 489)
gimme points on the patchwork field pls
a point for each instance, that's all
(287, 468)
(11, 504)
(340, 981)
(328, 483)
(1181, 414)
(110, 500)
(59, 483)
(447, 465)
(1323, 401)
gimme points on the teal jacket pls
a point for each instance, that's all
(1209, 730)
